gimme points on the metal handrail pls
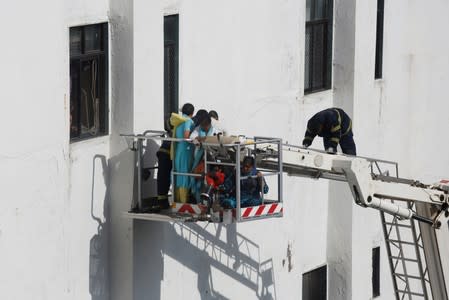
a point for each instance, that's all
(138, 144)
(159, 135)
(342, 154)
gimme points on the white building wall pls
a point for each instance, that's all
(395, 118)
(34, 152)
(121, 160)
(366, 224)
(56, 194)
(88, 179)
(60, 218)
(244, 61)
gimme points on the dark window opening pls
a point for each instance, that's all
(171, 46)
(88, 81)
(314, 284)
(376, 272)
(318, 46)
(379, 39)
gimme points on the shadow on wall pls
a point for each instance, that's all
(98, 255)
(200, 249)
(149, 162)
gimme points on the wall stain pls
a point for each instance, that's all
(381, 96)
(289, 256)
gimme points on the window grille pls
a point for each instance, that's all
(318, 45)
(171, 42)
(379, 39)
(88, 81)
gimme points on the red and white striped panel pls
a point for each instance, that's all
(186, 208)
(262, 210)
(444, 185)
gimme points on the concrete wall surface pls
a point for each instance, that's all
(34, 205)
(56, 210)
(62, 234)
(245, 70)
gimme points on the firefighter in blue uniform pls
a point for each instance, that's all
(335, 126)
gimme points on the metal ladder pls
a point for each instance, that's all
(412, 246)
(405, 249)
(404, 245)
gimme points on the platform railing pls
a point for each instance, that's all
(250, 145)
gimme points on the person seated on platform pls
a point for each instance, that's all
(251, 187)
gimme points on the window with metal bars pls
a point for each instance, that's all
(376, 272)
(318, 46)
(314, 284)
(88, 81)
(379, 39)
(171, 46)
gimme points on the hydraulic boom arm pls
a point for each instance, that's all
(368, 189)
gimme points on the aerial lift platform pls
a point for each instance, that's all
(223, 152)
(411, 212)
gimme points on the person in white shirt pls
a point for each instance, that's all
(216, 124)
